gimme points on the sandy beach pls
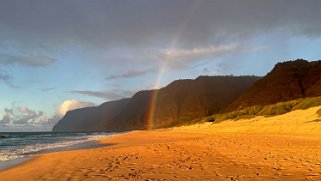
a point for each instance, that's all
(286, 147)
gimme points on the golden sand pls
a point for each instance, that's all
(286, 147)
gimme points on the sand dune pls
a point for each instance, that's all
(286, 147)
(304, 122)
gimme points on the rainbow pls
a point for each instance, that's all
(153, 101)
(151, 111)
(163, 65)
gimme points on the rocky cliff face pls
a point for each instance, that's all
(287, 81)
(184, 100)
(92, 118)
(180, 101)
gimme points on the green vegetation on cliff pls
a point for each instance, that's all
(269, 110)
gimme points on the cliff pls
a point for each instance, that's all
(185, 100)
(180, 101)
(287, 81)
(91, 118)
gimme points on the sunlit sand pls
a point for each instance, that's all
(286, 147)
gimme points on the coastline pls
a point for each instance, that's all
(262, 149)
(90, 144)
(175, 154)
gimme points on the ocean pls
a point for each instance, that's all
(22, 145)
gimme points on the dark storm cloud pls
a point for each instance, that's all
(140, 23)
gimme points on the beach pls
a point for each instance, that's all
(205, 151)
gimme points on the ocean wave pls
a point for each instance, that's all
(11, 153)
(3, 136)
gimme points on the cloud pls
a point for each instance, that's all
(7, 80)
(178, 58)
(71, 105)
(220, 69)
(8, 114)
(183, 58)
(22, 116)
(5, 77)
(26, 116)
(142, 23)
(53, 120)
(64, 107)
(26, 60)
(103, 95)
(112, 94)
(175, 54)
(128, 74)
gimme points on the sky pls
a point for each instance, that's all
(61, 55)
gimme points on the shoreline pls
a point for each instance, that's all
(285, 147)
(175, 154)
(8, 164)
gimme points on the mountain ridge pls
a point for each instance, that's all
(187, 99)
(179, 101)
(288, 80)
